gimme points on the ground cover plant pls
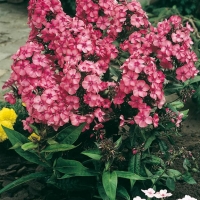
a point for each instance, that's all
(94, 88)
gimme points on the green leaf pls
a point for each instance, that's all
(186, 164)
(73, 167)
(58, 147)
(122, 192)
(102, 192)
(188, 178)
(70, 134)
(109, 180)
(129, 175)
(170, 183)
(194, 80)
(149, 142)
(152, 159)
(173, 173)
(16, 138)
(173, 88)
(51, 141)
(24, 179)
(29, 145)
(118, 143)
(177, 104)
(92, 153)
(15, 146)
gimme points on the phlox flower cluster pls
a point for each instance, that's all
(61, 73)
(7, 118)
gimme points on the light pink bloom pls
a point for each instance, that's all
(150, 192)
(140, 88)
(143, 119)
(138, 198)
(162, 194)
(187, 197)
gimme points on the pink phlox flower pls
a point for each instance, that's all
(91, 83)
(175, 20)
(19, 67)
(135, 37)
(162, 194)
(150, 192)
(119, 98)
(76, 120)
(98, 126)
(137, 21)
(72, 102)
(143, 119)
(85, 45)
(33, 70)
(155, 120)
(122, 121)
(136, 65)
(26, 124)
(103, 22)
(98, 113)
(178, 37)
(130, 78)
(163, 27)
(64, 113)
(49, 95)
(72, 56)
(140, 88)
(10, 98)
(134, 6)
(156, 91)
(124, 88)
(73, 75)
(69, 86)
(182, 73)
(135, 102)
(93, 100)
(39, 104)
(86, 66)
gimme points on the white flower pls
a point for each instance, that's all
(150, 192)
(162, 194)
(138, 198)
(187, 197)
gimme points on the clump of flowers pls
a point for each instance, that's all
(7, 118)
(162, 194)
(65, 73)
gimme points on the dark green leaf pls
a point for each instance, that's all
(170, 183)
(58, 147)
(70, 134)
(173, 173)
(188, 178)
(16, 138)
(72, 167)
(118, 143)
(92, 153)
(102, 192)
(122, 192)
(149, 142)
(109, 180)
(24, 179)
(129, 175)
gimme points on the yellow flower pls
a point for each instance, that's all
(34, 137)
(7, 114)
(7, 124)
